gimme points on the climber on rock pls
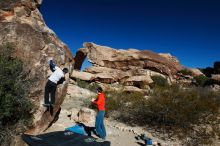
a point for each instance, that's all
(57, 77)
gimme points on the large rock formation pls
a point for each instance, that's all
(129, 67)
(22, 26)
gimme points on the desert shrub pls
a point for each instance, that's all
(201, 80)
(124, 105)
(159, 81)
(87, 85)
(186, 113)
(185, 72)
(182, 107)
(87, 102)
(14, 107)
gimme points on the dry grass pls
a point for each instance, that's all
(184, 113)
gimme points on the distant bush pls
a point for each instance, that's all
(185, 72)
(14, 107)
(87, 85)
(201, 80)
(159, 81)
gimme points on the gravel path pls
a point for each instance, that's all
(114, 135)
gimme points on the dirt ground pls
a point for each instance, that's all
(114, 135)
(116, 132)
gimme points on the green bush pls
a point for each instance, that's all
(201, 80)
(124, 105)
(87, 85)
(159, 81)
(185, 72)
(14, 107)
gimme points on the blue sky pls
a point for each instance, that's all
(188, 29)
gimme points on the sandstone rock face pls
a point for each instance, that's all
(129, 67)
(22, 25)
(74, 90)
(195, 71)
(82, 75)
(169, 57)
(87, 116)
(132, 89)
(216, 77)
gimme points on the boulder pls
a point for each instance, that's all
(195, 72)
(87, 116)
(132, 89)
(216, 77)
(215, 87)
(138, 81)
(145, 79)
(104, 78)
(74, 90)
(22, 26)
(82, 75)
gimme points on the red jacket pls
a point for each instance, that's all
(100, 101)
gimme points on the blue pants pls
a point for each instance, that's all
(99, 124)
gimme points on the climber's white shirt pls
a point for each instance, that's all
(56, 75)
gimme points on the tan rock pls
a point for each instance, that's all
(74, 90)
(82, 75)
(115, 73)
(132, 89)
(195, 71)
(74, 114)
(138, 81)
(23, 26)
(87, 116)
(169, 57)
(216, 77)
(215, 87)
(145, 79)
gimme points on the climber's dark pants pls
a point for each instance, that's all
(50, 90)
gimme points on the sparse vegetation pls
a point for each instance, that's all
(186, 113)
(159, 81)
(185, 72)
(201, 80)
(87, 85)
(14, 107)
(125, 103)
